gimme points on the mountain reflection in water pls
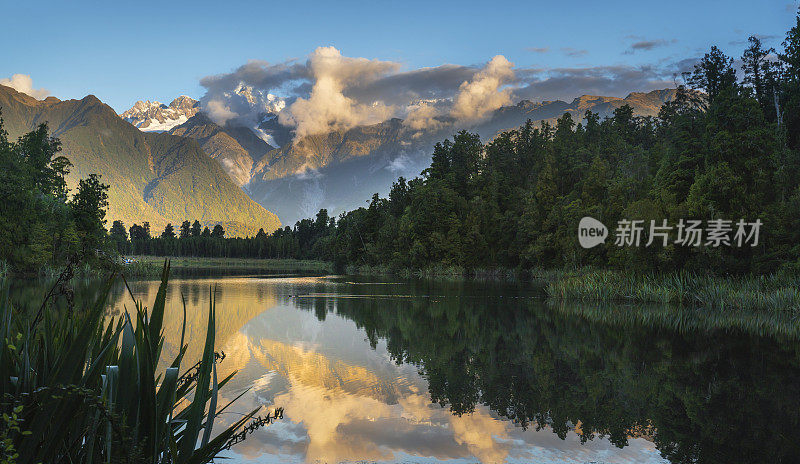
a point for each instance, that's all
(469, 372)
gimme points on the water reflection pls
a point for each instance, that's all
(428, 372)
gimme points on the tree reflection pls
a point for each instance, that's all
(700, 396)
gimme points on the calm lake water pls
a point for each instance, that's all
(424, 372)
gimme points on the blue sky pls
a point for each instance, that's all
(123, 52)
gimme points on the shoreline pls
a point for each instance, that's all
(150, 266)
(770, 292)
(774, 292)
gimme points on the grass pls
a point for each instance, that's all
(150, 266)
(683, 319)
(770, 293)
(439, 272)
(76, 388)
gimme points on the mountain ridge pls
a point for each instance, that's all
(154, 177)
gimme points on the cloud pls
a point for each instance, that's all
(761, 37)
(332, 91)
(219, 112)
(400, 164)
(484, 93)
(329, 90)
(423, 115)
(643, 44)
(409, 87)
(23, 83)
(573, 52)
(256, 73)
(327, 107)
(249, 92)
(649, 44)
(538, 49)
(568, 83)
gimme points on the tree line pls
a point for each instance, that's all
(194, 239)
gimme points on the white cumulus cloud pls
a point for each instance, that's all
(327, 107)
(23, 83)
(484, 93)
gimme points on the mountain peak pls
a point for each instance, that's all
(184, 102)
(154, 116)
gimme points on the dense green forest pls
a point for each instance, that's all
(728, 147)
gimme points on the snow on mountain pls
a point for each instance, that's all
(259, 100)
(153, 116)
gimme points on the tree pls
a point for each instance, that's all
(218, 231)
(186, 229)
(399, 197)
(760, 74)
(89, 210)
(119, 235)
(37, 224)
(440, 161)
(791, 53)
(714, 74)
(464, 157)
(196, 228)
(206, 232)
(139, 233)
(790, 98)
(47, 169)
(169, 232)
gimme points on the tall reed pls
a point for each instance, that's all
(81, 389)
(773, 293)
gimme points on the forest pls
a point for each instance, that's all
(728, 147)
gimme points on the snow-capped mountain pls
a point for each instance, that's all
(294, 177)
(258, 99)
(153, 116)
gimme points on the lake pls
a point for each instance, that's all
(415, 371)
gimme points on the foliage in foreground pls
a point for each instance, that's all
(81, 390)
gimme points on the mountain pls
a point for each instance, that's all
(341, 169)
(155, 177)
(158, 117)
(510, 117)
(235, 148)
